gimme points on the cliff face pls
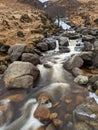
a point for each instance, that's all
(79, 11)
(21, 23)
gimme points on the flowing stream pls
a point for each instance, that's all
(57, 83)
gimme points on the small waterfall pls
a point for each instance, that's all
(57, 46)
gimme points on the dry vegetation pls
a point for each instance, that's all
(14, 30)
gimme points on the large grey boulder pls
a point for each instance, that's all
(74, 61)
(32, 58)
(16, 51)
(20, 75)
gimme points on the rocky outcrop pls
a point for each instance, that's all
(20, 75)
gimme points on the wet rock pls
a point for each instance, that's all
(53, 116)
(68, 117)
(64, 49)
(95, 59)
(87, 111)
(42, 46)
(63, 41)
(88, 38)
(16, 51)
(42, 113)
(82, 126)
(51, 127)
(76, 71)
(57, 123)
(44, 98)
(87, 46)
(20, 75)
(95, 85)
(75, 61)
(25, 18)
(51, 43)
(96, 45)
(86, 56)
(32, 58)
(16, 97)
(93, 79)
(80, 79)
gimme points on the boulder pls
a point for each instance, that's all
(16, 51)
(64, 41)
(32, 58)
(95, 59)
(87, 46)
(95, 86)
(42, 46)
(87, 57)
(88, 38)
(51, 43)
(74, 61)
(42, 113)
(93, 79)
(96, 44)
(80, 79)
(76, 71)
(20, 75)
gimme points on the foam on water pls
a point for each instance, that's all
(93, 95)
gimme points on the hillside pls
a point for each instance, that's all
(79, 11)
(21, 23)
